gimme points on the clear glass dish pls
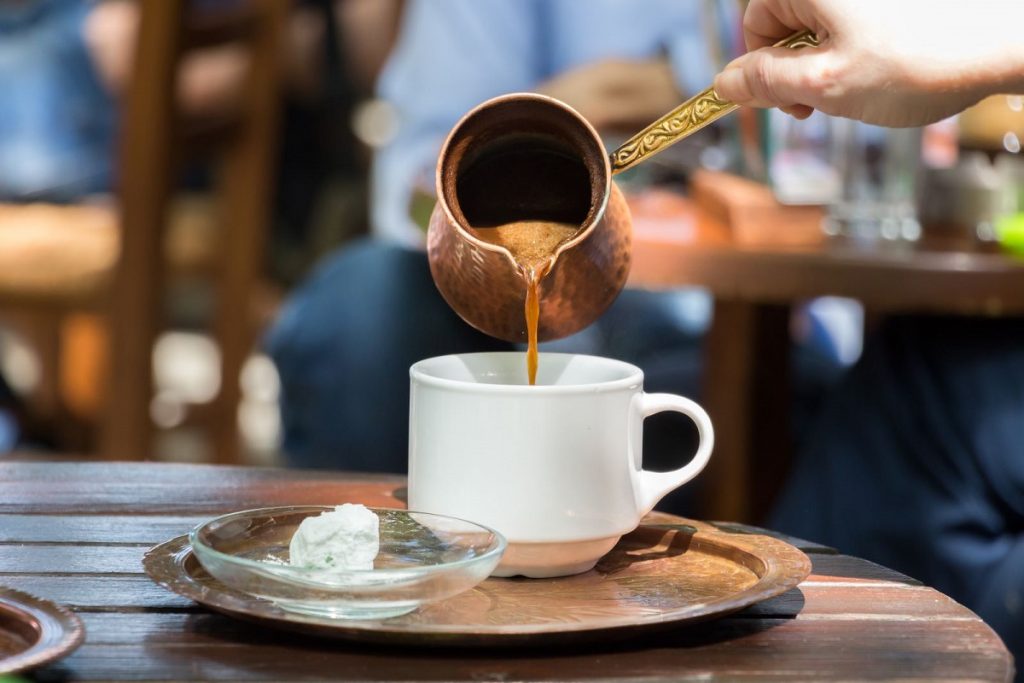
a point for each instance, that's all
(423, 558)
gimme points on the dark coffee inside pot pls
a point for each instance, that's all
(528, 181)
(519, 179)
(530, 197)
(525, 160)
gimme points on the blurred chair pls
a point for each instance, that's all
(155, 142)
(57, 260)
(55, 264)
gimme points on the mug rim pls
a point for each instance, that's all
(634, 378)
(585, 229)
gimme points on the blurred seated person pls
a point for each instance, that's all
(56, 129)
(345, 341)
(65, 63)
(56, 121)
(917, 461)
(330, 63)
(62, 65)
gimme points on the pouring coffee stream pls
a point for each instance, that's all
(529, 227)
(532, 245)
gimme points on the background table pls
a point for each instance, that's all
(76, 533)
(746, 385)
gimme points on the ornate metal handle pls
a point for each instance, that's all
(689, 117)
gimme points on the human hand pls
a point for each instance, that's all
(617, 93)
(886, 62)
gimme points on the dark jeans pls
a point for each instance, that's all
(918, 463)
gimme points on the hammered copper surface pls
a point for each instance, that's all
(484, 176)
(668, 571)
(34, 631)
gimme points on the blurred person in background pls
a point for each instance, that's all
(57, 130)
(56, 122)
(345, 341)
(64, 65)
(918, 459)
(332, 54)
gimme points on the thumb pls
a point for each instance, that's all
(775, 77)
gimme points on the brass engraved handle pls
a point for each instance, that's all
(703, 108)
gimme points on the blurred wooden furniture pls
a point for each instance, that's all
(59, 259)
(55, 260)
(154, 143)
(746, 386)
(75, 533)
(56, 267)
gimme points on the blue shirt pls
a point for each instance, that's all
(453, 54)
(56, 120)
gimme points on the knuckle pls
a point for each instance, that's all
(762, 79)
(817, 78)
(749, 22)
(827, 80)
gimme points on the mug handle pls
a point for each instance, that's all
(653, 486)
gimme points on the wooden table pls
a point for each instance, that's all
(746, 386)
(76, 533)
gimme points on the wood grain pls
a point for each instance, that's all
(99, 591)
(147, 159)
(850, 619)
(206, 647)
(138, 488)
(41, 559)
(888, 280)
(142, 529)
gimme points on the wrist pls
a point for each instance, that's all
(1001, 71)
(1014, 83)
(1005, 60)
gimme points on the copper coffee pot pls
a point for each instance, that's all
(530, 157)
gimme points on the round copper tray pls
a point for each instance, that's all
(669, 571)
(34, 631)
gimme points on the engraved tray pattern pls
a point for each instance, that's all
(667, 572)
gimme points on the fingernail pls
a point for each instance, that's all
(798, 111)
(731, 84)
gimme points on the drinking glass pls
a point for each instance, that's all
(879, 171)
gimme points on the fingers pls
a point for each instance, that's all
(798, 111)
(777, 77)
(766, 22)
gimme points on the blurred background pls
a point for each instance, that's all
(200, 156)
(212, 218)
(172, 173)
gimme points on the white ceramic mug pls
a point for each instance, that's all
(554, 467)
